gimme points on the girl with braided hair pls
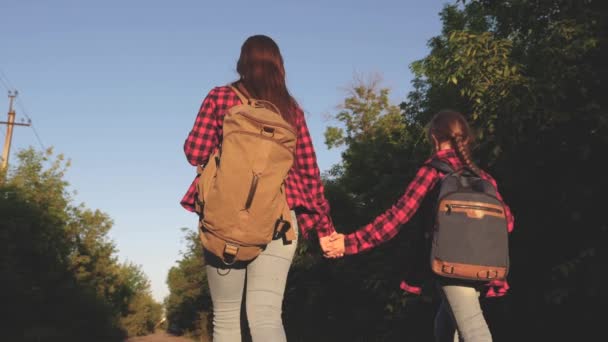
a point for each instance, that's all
(459, 316)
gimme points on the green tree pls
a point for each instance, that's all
(542, 119)
(142, 313)
(378, 145)
(382, 152)
(188, 305)
(61, 278)
(43, 300)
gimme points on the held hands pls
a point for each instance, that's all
(332, 245)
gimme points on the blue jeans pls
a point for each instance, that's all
(264, 281)
(460, 317)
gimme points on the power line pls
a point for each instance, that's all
(7, 84)
(22, 107)
(5, 81)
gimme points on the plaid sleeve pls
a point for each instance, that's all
(387, 225)
(316, 213)
(203, 137)
(508, 213)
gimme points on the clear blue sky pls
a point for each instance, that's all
(116, 85)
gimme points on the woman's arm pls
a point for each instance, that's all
(203, 137)
(316, 216)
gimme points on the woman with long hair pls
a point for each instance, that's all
(262, 77)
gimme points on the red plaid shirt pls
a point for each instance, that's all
(304, 189)
(388, 224)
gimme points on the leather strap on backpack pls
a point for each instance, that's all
(242, 93)
(284, 228)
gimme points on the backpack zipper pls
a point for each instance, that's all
(474, 207)
(257, 135)
(252, 189)
(268, 122)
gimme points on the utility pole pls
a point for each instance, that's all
(9, 129)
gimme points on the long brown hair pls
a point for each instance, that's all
(262, 73)
(453, 127)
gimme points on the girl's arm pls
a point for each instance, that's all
(388, 224)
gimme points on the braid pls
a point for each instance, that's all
(451, 126)
(462, 148)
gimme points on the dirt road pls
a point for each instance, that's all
(159, 337)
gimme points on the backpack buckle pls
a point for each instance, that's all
(229, 254)
(487, 274)
(447, 269)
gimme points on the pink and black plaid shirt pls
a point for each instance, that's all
(388, 224)
(304, 189)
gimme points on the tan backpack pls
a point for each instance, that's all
(241, 191)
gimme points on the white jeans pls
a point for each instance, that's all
(264, 281)
(460, 317)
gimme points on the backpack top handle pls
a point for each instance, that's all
(246, 98)
(446, 168)
(442, 166)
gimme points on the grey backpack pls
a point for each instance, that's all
(469, 236)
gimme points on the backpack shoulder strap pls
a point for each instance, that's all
(441, 166)
(243, 96)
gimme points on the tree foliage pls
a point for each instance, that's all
(61, 277)
(188, 305)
